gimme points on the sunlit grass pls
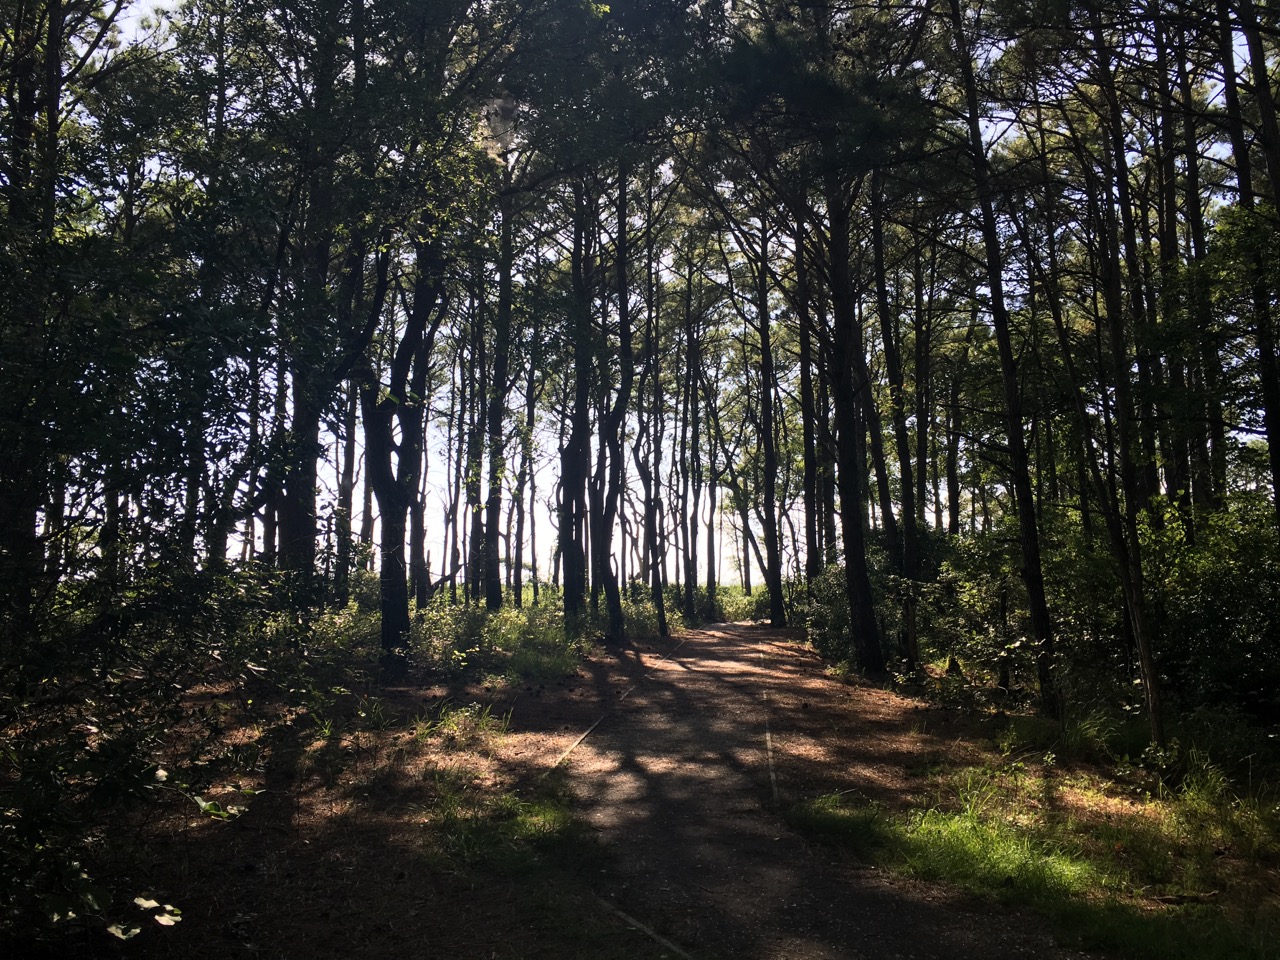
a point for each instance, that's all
(978, 854)
(1182, 875)
(461, 726)
(989, 856)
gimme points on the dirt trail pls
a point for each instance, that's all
(341, 855)
(682, 780)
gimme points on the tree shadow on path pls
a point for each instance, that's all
(676, 781)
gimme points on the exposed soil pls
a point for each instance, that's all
(693, 749)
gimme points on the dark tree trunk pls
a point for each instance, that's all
(827, 467)
(1263, 324)
(848, 386)
(616, 415)
(808, 415)
(474, 581)
(1175, 435)
(924, 392)
(498, 390)
(574, 455)
(873, 437)
(451, 556)
(769, 508)
(1128, 440)
(898, 413)
(400, 403)
(690, 440)
(296, 509)
(419, 559)
(1041, 624)
(346, 499)
(646, 449)
(525, 476)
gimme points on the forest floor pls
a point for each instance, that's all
(636, 808)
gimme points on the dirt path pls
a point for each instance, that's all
(382, 845)
(683, 778)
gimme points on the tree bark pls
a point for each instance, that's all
(498, 390)
(808, 414)
(1263, 323)
(616, 417)
(574, 454)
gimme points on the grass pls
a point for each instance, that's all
(462, 727)
(1183, 874)
(510, 833)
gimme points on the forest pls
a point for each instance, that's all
(353, 343)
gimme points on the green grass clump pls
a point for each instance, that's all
(986, 856)
(963, 848)
(462, 727)
(509, 833)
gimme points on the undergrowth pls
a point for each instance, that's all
(512, 833)
(1178, 872)
(178, 699)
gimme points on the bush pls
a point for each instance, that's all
(641, 618)
(526, 643)
(1217, 600)
(85, 715)
(736, 605)
(366, 590)
(826, 614)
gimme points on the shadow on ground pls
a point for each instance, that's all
(378, 843)
(677, 784)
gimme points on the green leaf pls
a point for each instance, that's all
(94, 897)
(211, 808)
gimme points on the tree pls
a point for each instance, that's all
(1032, 572)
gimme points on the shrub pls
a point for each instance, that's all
(529, 643)
(84, 716)
(826, 614)
(1217, 597)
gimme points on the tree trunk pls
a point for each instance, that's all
(497, 394)
(574, 454)
(898, 412)
(808, 415)
(873, 437)
(346, 499)
(848, 385)
(400, 402)
(769, 508)
(474, 581)
(1041, 624)
(1260, 288)
(616, 417)
(645, 450)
